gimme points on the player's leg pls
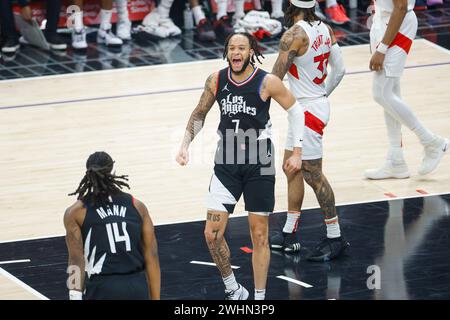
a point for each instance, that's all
(259, 198)
(123, 22)
(334, 244)
(205, 31)
(223, 23)
(286, 240)
(224, 191)
(105, 35)
(259, 231)
(78, 31)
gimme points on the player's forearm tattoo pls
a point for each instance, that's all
(287, 53)
(197, 119)
(220, 254)
(312, 173)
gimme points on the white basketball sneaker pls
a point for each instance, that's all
(239, 294)
(79, 39)
(433, 154)
(108, 38)
(124, 29)
(394, 167)
(172, 29)
(388, 171)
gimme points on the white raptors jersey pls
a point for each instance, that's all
(308, 72)
(388, 5)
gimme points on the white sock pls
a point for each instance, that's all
(199, 15)
(292, 220)
(164, 8)
(239, 8)
(277, 8)
(222, 6)
(122, 9)
(395, 156)
(230, 282)
(333, 230)
(331, 3)
(78, 21)
(105, 19)
(260, 294)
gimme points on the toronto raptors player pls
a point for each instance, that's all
(391, 36)
(305, 51)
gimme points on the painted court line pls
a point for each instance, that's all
(240, 215)
(300, 283)
(15, 261)
(149, 93)
(210, 264)
(8, 275)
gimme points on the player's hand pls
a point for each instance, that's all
(293, 164)
(183, 156)
(26, 13)
(376, 62)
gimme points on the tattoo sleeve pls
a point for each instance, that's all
(291, 42)
(312, 173)
(197, 118)
(221, 254)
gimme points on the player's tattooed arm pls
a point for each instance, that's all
(293, 43)
(312, 173)
(198, 116)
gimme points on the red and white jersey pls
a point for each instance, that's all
(388, 5)
(308, 72)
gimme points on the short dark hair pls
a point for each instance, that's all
(253, 45)
(99, 183)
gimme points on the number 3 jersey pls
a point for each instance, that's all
(112, 237)
(308, 72)
(244, 119)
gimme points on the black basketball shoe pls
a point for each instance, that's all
(328, 249)
(286, 242)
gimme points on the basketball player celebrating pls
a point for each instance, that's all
(116, 235)
(305, 51)
(243, 161)
(391, 35)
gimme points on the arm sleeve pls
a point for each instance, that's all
(296, 122)
(337, 69)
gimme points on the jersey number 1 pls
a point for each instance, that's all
(323, 63)
(116, 237)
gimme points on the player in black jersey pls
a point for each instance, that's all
(110, 238)
(244, 159)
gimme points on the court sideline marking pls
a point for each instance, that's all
(22, 284)
(240, 215)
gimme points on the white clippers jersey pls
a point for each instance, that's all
(388, 5)
(308, 72)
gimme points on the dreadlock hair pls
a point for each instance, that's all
(253, 45)
(99, 183)
(309, 15)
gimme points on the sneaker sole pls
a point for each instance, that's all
(276, 247)
(438, 159)
(10, 49)
(392, 176)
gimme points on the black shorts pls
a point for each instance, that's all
(230, 181)
(117, 287)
